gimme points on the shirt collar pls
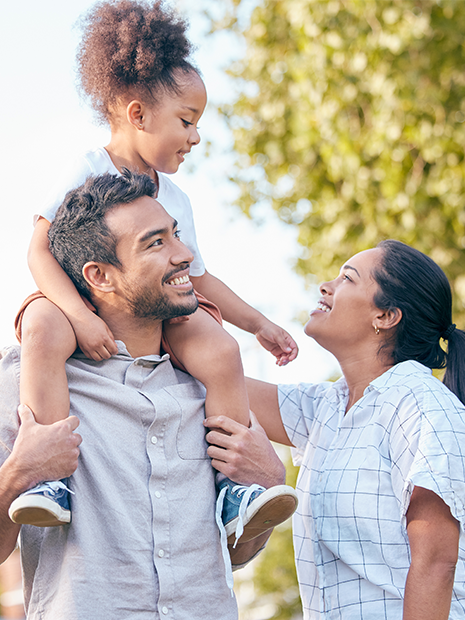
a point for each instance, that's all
(143, 360)
(397, 374)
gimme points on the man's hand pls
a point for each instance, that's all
(44, 452)
(39, 453)
(243, 454)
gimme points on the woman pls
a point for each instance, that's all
(378, 532)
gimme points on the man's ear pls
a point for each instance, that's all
(388, 319)
(135, 112)
(98, 276)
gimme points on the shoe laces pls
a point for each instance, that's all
(224, 541)
(247, 492)
(54, 485)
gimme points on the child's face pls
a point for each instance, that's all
(170, 127)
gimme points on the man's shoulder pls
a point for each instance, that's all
(189, 383)
(10, 361)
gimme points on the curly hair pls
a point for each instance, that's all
(130, 46)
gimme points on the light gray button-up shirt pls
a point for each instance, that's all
(143, 543)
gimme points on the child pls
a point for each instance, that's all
(133, 67)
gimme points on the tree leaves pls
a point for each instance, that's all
(350, 126)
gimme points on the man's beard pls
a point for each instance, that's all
(144, 304)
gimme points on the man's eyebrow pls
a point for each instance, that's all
(160, 231)
(352, 268)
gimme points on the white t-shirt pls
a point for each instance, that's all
(357, 475)
(174, 200)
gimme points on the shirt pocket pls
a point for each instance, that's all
(191, 444)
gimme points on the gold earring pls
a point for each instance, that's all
(376, 330)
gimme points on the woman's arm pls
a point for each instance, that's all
(237, 312)
(434, 540)
(93, 336)
(263, 400)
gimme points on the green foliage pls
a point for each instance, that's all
(350, 125)
(276, 591)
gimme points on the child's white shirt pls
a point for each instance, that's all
(174, 200)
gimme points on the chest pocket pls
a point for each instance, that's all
(190, 436)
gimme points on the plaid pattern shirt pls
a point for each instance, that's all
(357, 473)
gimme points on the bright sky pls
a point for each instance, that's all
(44, 122)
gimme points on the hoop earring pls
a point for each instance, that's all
(376, 330)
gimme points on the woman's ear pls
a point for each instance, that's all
(135, 114)
(98, 276)
(388, 319)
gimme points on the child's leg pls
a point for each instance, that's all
(212, 356)
(47, 340)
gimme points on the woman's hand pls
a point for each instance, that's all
(93, 336)
(277, 341)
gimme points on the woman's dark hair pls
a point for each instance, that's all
(414, 283)
(131, 46)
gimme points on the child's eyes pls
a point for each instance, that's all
(177, 234)
(186, 123)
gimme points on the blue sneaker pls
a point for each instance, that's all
(249, 511)
(44, 505)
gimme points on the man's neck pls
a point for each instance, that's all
(140, 336)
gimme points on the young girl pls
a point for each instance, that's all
(133, 67)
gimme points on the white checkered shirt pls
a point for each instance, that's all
(357, 474)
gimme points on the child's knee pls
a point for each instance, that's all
(45, 328)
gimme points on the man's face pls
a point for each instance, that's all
(154, 275)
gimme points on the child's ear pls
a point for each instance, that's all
(135, 114)
(98, 276)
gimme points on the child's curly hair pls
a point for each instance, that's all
(127, 46)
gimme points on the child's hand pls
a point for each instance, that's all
(278, 342)
(94, 337)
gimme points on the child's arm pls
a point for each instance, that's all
(92, 334)
(237, 312)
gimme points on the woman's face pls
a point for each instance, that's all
(345, 315)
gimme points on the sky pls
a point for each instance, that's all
(44, 123)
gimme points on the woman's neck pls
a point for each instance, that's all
(360, 370)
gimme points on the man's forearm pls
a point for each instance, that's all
(11, 485)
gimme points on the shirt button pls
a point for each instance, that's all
(154, 440)
(161, 553)
(165, 610)
(157, 494)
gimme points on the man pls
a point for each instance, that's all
(143, 542)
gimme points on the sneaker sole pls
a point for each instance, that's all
(42, 513)
(272, 507)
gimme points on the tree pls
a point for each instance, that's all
(272, 592)
(349, 123)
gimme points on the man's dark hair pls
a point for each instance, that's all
(79, 233)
